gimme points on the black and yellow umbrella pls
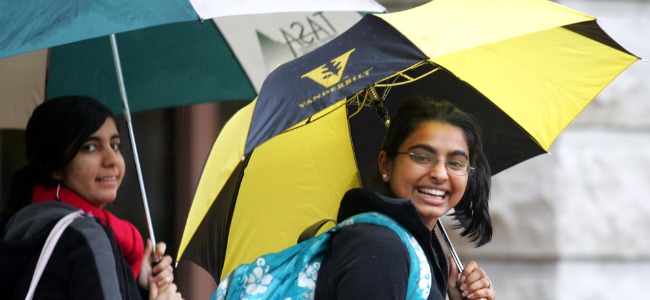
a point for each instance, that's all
(524, 68)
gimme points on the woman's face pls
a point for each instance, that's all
(433, 190)
(97, 170)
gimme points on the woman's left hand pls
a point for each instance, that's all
(162, 273)
(473, 283)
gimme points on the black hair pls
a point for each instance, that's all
(472, 212)
(55, 133)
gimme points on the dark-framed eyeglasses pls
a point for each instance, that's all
(456, 167)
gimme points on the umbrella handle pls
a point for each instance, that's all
(454, 255)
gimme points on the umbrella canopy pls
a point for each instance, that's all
(524, 68)
(34, 25)
(27, 26)
(168, 65)
(163, 66)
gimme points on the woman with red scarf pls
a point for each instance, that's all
(73, 152)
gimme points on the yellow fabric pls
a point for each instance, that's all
(446, 26)
(301, 175)
(495, 46)
(517, 77)
(224, 157)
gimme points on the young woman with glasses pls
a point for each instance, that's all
(431, 162)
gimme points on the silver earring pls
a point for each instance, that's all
(58, 187)
(384, 176)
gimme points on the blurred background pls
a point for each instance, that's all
(569, 225)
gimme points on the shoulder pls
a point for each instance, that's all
(83, 257)
(35, 218)
(91, 263)
(363, 258)
(371, 242)
(369, 232)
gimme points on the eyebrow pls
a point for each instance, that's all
(433, 151)
(95, 138)
(92, 138)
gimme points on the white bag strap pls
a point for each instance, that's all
(48, 248)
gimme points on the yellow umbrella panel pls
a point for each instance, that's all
(319, 157)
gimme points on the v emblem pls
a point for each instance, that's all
(324, 75)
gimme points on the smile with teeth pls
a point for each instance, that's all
(432, 192)
(110, 178)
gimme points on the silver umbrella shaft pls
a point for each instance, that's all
(454, 255)
(127, 116)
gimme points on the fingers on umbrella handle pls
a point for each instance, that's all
(154, 263)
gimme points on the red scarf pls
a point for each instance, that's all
(126, 235)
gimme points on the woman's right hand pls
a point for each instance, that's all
(168, 292)
(473, 283)
(163, 272)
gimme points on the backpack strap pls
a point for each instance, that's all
(48, 248)
(312, 230)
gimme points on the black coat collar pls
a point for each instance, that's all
(403, 211)
(356, 201)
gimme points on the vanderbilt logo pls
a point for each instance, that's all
(324, 76)
(332, 78)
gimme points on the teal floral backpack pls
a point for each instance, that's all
(293, 273)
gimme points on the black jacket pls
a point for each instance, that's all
(85, 264)
(371, 262)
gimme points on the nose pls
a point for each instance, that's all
(109, 157)
(439, 171)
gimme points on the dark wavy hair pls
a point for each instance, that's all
(54, 135)
(472, 212)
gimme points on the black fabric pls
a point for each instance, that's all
(368, 262)
(85, 264)
(592, 30)
(207, 247)
(368, 42)
(16, 256)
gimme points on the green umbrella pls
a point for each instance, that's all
(164, 66)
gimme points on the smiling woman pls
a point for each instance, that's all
(431, 161)
(97, 170)
(73, 151)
